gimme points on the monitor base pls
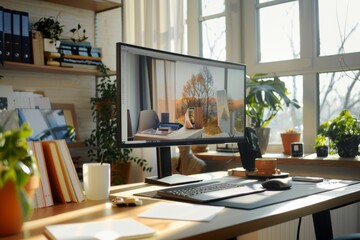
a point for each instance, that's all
(175, 179)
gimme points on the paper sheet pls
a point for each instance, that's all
(182, 211)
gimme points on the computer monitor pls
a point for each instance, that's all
(167, 99)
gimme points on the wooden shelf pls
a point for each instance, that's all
(50, 69)
(47, 69)
(92, 5)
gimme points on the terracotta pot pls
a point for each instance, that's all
(120, 173)
(287, 139)
(11, 213)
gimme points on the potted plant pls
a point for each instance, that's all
(287, 137)
(266, 96)
(18, 179)
(342, 134)
(102, 140)
(51, 30)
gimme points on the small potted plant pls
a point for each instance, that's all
(343, 134)
(266, 96)
(51, 30)
(287, 137)
(18, 179)
(102, 141)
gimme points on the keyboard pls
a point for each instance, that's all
(208, 191)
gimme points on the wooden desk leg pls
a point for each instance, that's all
(322, 225)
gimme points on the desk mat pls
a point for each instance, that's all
(298, 190)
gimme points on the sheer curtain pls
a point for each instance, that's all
(156, 24)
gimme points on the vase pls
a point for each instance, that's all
(263, 135)
(50, 45)
(11, 217)
(287, 139)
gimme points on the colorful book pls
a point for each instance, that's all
(70, 168)
(45, 184)
(56, 176)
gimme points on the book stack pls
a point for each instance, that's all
(15, 42)
(59, 182)
(79, 55)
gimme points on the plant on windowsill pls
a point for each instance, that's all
(287, 137)
(102, 141)
(266, 96)
(18, 179)
(342, 133)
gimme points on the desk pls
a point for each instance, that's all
(229, 223)
(182, 133)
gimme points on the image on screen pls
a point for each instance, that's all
(171, 99)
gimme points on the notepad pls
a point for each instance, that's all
(126, 228)
(182, 211)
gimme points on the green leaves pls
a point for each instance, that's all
(265, 98)
(344, 127)
(16, 163)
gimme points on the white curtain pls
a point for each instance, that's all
(155, 24)
(158, 24)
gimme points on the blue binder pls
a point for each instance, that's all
(16, 36)
(7, 35)
(25, 38)
(1, 34)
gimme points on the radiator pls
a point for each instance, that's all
(344, 220)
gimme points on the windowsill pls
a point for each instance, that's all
(307, 159)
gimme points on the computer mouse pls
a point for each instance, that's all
(277, 183)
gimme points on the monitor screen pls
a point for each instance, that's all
(167, 99)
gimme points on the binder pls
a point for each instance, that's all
(7, 35)
(25, 38)
(1, 34)
(16, 36)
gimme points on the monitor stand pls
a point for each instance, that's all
(164, 167)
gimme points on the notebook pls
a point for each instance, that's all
(126, 228)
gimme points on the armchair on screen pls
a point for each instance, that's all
(147, 119)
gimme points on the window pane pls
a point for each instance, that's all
(210, 7)
(338, 91)
(339, 26)
(214, 38)
(265, 1)
(291, 117)
(279, 32)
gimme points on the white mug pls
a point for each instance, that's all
(96, 177)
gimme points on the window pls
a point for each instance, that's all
(319, 51)
(339, 26)
(299, 41)
(291, 117)
(338, 91)
(213, 29)
(279, 31)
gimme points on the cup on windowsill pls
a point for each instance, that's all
(266, 166)
(96, 177)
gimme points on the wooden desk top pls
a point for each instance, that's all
(229, 223)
